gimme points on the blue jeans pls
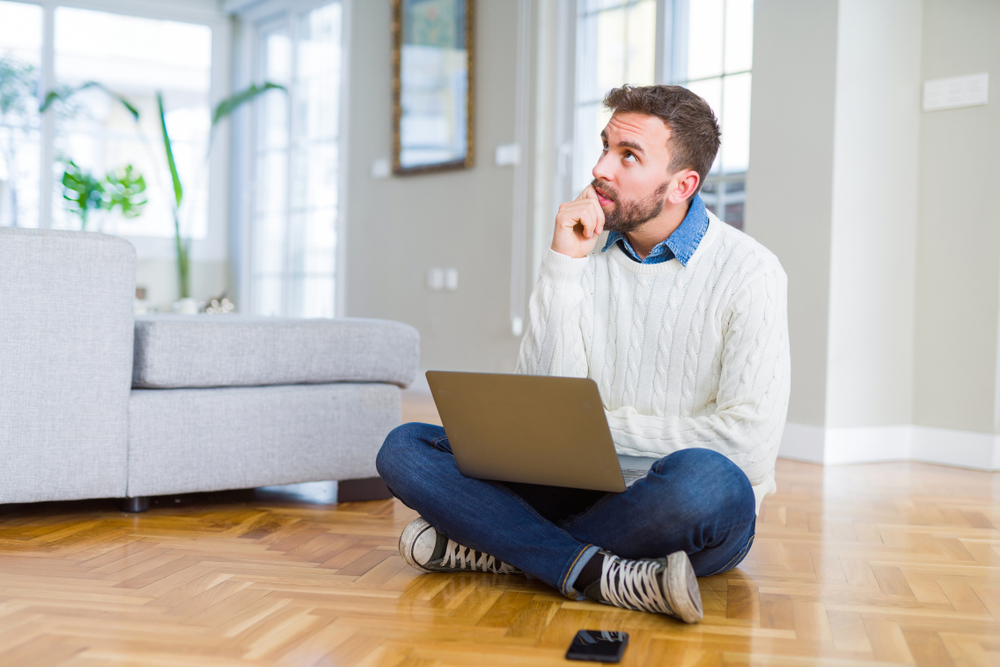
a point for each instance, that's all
(694, 500)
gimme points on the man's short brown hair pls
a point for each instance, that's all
(694, 130)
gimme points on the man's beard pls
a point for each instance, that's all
(628, 216)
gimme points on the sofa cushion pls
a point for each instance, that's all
(177, 351)
(188, 440)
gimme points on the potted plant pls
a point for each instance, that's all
(222, 111)
(120, 188)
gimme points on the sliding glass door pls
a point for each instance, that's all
(295, 204)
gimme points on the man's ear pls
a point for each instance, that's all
(685, 185)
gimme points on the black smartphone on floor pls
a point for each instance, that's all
(598, 646)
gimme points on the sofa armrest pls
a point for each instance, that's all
(66, 326)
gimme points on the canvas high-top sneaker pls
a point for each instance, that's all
(660, 585)
(424, 548)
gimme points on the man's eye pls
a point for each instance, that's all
(630, 156)
(605, 149)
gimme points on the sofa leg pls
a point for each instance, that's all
(357, 490)
(134, 505)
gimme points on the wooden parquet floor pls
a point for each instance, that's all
(856, 565)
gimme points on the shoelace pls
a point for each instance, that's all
(633, 584)
(464, 558)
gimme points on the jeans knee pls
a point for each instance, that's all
(391, 449)
(396, 450)
(705, 464)
(710, 476)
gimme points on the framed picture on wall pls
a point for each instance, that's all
(432, 74)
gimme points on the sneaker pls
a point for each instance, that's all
(660, 585)
(424, 548)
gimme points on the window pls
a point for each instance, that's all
(292, 221)
(20, 123)
(714, 60)
(616, 44)
(135, 57)
(707, 47)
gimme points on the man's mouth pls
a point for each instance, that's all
(603, 198)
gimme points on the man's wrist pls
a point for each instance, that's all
(566, 253)
(562, 268)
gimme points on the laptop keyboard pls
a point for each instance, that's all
(631, 475)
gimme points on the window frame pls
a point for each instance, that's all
(212, 248)
(252, 18)
(676, 14)
(670, 61)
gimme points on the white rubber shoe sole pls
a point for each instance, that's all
(416, 544)
(681, 586)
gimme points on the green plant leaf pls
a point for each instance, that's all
(83, 192)
(59, 95)
(178, 190)
(233, 102)
(124, 188)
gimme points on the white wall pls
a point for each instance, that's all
(401, 226)
(874, 214)
(789, 185)
(894, 265)
(959, 226)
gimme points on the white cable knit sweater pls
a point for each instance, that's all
(684, 356)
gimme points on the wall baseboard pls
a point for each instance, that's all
(956, 448)
(833, 446)
(802, 442)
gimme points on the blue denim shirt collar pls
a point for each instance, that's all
(681, 244)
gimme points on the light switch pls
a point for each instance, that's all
(955, 92)
(508, 155)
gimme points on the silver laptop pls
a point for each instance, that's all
(534, 429)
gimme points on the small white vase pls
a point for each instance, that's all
(187, 306)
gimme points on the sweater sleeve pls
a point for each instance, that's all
(752, 400)
(553, 343)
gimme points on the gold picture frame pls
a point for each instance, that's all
(432, 85)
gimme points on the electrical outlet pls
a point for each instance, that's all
(381, 168)
(435, 279)
(451, 279)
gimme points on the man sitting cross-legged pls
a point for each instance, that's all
(681, 321)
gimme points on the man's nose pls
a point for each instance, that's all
(602, 171)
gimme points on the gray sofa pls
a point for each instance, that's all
(95, 403)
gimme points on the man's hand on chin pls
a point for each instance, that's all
(578, 224)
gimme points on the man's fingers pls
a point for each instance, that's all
(600, 215)
(588, 218)
(588, 215)
(589, 195)
(595, 217)
(578, 223)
